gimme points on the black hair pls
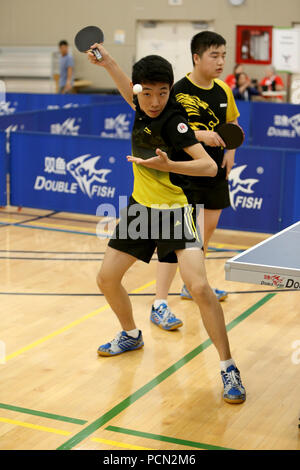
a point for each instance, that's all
(201, 42)
(152, 69)
(63, 42)
(237, 77)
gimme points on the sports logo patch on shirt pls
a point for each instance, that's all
(223, 105)
(182, 128)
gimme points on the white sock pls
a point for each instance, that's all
(225, 364)
(133, 333)
(159, 301)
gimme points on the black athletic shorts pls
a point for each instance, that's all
(212, 197)
(142, 229)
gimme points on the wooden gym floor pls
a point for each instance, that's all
(56, 393)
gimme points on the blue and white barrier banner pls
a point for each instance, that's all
(255, 191)
(244, 108)
(291, 194)
(67, 173)
(113, 121)
(264, 124)
(23, 102)
(3, 164)
(276, 125)
(19, 122)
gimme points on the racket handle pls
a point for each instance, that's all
(97, 54)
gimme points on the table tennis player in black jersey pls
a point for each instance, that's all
(160, 133)
(209, 103)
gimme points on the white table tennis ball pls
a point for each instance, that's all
(137, 88)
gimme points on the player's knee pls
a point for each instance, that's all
(103, 280)
(198, 289)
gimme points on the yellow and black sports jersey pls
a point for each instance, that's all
(206, 108)
(169, 132)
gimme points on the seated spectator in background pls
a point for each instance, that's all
(66, 68)
(243, 89)
(271, 81)
(231, 79)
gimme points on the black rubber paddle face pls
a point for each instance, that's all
(232, 135)
(86, 37)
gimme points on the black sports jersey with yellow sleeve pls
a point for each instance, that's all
(206, 109)
(171, 133)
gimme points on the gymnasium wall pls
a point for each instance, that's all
(41, 22)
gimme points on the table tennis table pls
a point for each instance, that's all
(273, 262)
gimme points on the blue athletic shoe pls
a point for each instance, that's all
(164, 318)
(184, 294)
(234, 392)
(120, 344)
(220, 294)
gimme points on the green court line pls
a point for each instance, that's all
(172, 440)
(95, 425)
(42, 414)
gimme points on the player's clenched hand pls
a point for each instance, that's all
(106, 58)
(210, 138)
(160, 162)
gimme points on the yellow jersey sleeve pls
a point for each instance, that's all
(232, 112)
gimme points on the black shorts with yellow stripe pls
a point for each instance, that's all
(142, 230)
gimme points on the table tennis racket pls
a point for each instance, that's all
(232, 134)
(86, 37)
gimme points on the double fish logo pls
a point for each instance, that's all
(83, 169)
(5, 108)
(117, 127)
(274, 280)
(121, 125)
(282, 125)
(237, 184)
(295, 123)
(68, 127)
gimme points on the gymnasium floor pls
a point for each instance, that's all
(56, 393)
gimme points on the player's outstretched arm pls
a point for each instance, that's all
(120, 78)
(210, 138)
(200, 166)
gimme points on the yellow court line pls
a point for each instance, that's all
(139, 289)
(56, 333)
(69, 326)
(11, 221)
(228, 245)
(119, 444)
(35, 426)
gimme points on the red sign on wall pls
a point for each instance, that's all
(254, 44)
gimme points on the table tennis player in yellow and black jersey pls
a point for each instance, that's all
(206, 109)
(171, 133)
